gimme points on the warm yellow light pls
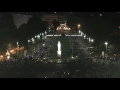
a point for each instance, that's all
(78, 25)
(1, 56)
(12, 51)
(7, 53)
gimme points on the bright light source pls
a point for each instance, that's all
(100, 14)
(106, 43)
(1, 56)
(44, 58)
(92, 40)
(59, 49)
(17, 43)
(12, 51)
(8, 57)
(7, 53)
(29, 41)
(72, 57)
(45, 32)
(78, 25)
(38, 36)
(33, 40)
(43, 44)
(59, 53)
(84, 36)
(59, 46)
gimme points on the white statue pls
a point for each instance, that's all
(59, 49)
(59, 46)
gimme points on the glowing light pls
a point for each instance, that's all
(7, 53)
(42, 34)
(59, 46)
(106, 43)
(100, 14)
(17, 43)
(29, 41)
(12, 51)
(44, 58)
(92, 40)
(72, 35)
(78, 25)
(45, 32)
(72, 57)
(33, 40)
(1, 56)
(38, 36)
(8, 57)
(54, 35)
(43, 44)
(59, 49)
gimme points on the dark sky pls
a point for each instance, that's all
(107, 14)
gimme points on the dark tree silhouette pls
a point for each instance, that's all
(33, 27)
(55, 24)
(7, 29)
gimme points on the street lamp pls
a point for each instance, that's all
(45, 32)
(33, 40)
(106, 43)
(28, 42)
(78, 26)
(17, 49)
(92, 40)
(38, 37)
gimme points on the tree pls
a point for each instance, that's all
(55, 24)
(7, 29)
(33, 27)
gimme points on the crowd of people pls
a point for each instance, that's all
(84, 65)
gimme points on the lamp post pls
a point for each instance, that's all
(17, 49)
(33, 42)
(28, 42)
(38, 37)
(106, 43)
(92, 40)
(78, 26)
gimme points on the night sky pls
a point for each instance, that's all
(22, 17)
